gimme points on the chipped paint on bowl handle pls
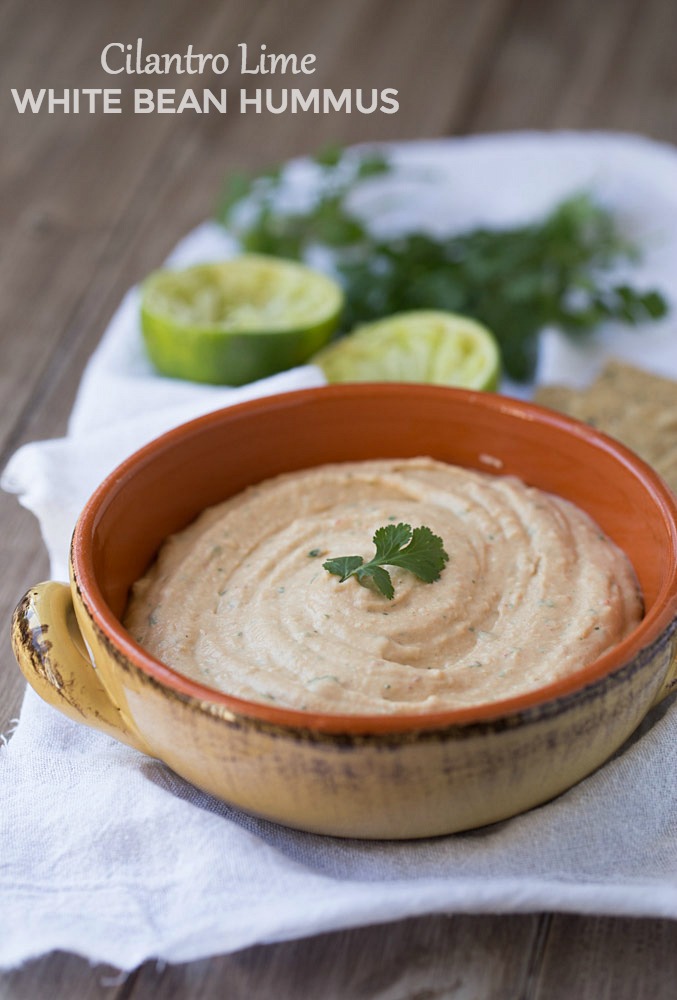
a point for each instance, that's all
(51, 652)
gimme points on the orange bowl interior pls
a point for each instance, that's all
(164, 486)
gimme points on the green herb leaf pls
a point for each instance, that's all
(329, 156)
(376, 578)
(419, 551)
(371, 165)
(343, 566)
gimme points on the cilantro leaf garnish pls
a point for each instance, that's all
(418, 550)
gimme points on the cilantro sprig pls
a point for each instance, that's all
(418, 550)
(557, 271)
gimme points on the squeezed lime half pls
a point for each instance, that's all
(418, 346)
(238, 320)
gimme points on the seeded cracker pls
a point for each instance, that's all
(632, 405)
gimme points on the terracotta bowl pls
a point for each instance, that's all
(355, 776)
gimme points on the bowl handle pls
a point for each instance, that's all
(51, 652)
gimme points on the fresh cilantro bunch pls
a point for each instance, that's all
(418, 550)
(515, 281)
(329, 223)
(556, 271)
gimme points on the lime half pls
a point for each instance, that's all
(237, 320)
(419, 346)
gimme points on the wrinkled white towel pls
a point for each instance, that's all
(106, 853)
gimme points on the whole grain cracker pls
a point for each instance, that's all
(630, 404)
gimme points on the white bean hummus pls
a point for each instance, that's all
(533, 590)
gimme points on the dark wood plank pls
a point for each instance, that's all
(639, 89)
(607, 65)
(502, 957)
(65, 977)
(76, 188)
(430, 957)
(608, 959)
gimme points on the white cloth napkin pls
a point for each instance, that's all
(107, 853)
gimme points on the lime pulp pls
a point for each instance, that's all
(418, 346)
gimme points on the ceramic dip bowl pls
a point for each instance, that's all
(355, 776)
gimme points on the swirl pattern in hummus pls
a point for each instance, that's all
(239, 600)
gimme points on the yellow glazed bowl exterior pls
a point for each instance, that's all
(360, 777)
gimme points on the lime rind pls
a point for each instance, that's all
(239, 320)
(418, 346)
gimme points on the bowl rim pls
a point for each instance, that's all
(657, 621)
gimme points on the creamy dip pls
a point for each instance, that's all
(533, 590)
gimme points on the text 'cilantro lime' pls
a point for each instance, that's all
(419, 550)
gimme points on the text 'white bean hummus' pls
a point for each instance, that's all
(533, 590)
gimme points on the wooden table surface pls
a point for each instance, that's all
(91, 203)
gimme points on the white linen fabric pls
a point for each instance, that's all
(108, 854)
